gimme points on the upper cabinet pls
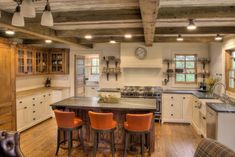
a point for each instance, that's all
(24, 61)
(39, 61)
(59, 61)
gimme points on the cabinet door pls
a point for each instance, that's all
(20, 63)
(23, 112)
(196, 114)
(59, 61)
(41, 64)
(29, 61)
(187, 108)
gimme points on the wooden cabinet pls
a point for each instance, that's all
(7, 87)
(37, 61)
(176, 108)
(59, 61)
(25, 61)
(41, 61)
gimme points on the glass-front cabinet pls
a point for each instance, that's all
(25, 61)
(39, 61)
(230, 70)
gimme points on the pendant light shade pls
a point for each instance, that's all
(18, 18)
(191, 25)
(47, 18)
(28, 9)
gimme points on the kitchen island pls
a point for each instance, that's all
(81, 106)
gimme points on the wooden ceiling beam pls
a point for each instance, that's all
(149, 11)
(196, 12)
(35, 30)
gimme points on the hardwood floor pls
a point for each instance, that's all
(172, 140)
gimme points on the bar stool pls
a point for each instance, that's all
(137, 124)
(67, 122)
(102, 123)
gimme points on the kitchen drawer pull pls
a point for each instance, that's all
(34, 118)
(172, 105)
(33, 104)
(183, 97)
(25, 107)
(34, 111)
(44, 96)
(33, 98)
(49, 94)
(172, 97)
(204, 117)
(195, 101)
(172, 114)
(20, 102)
(41, 102)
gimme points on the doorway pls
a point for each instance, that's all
(87, 75)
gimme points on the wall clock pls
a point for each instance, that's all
(140, 53)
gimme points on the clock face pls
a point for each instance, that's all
(140, 53)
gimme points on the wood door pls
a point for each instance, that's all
(7, 88)
(79, 76)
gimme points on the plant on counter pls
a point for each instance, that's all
(108, 99)
(211, 82)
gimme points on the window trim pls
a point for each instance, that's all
(96, 66)
(195, 68)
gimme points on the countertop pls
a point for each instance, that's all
(222, 107)
(92, 102)
(199, 95)
(37, 90)
(110, 90)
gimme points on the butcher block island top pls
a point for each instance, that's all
(92, 102)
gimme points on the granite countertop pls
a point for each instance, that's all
(222, 107)
(199, 95)
(110, 90)
(92, 102)
(37, 90)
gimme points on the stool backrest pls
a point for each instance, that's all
(64, 119)
(101, 121)
(139, 122)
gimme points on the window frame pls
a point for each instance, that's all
(195, 69)
(95, 66)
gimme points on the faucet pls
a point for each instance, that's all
(224, 96)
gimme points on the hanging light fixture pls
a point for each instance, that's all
(47, 18)
(218, 37)
(180, 38)
(191, 25)
(18, 18)
(28, 9)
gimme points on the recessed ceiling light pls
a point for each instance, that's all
(218, 37)
(88, 37)
(112, 42)
(180, 38)
(48, 41)
(191, 25)
(128, 36)
(9, 32)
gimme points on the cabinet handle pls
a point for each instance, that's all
(25, 107)
(33, 104)
(204, 117)
(195, 101)
(172, 114)
(34, 111)
(34, 118)
(49, 94)
(20, 102)
(183, 97)
(172, 105)
(44, 96)
(172, 97)
(33, 98)
(40, 102)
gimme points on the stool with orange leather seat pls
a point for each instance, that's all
(102, 123)
(67, 122)
(137, 124)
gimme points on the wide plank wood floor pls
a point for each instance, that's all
(172, 140)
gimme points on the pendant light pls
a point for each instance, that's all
(180, 38)
(28, 9)
(18, 18)
(47, 18)
(191, 25)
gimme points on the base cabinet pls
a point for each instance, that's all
(32, 110)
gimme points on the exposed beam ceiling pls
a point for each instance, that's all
(149, 11)
(36, 30)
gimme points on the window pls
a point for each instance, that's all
(185, 66)
(95, 66)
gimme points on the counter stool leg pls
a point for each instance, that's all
(142, 144)
(58, 142)
(148, 134)
(126, 143)
(69, 142)
(95, 144)
(81, 139)
(64, 132)
(112, 142)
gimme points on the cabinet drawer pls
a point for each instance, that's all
(173, 115)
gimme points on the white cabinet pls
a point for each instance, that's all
(176, 108)
(32, 110)
(196, 115)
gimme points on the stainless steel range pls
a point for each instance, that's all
(150, 92)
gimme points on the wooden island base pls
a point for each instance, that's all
(119, 115)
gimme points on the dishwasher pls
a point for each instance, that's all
(211, 123)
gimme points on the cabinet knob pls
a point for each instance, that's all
(25, 107)
(172, 97)
(34, 111)
(33, 104)
(34, 118)
(40, 102)
(195, 101)
(20, 102)
(183, 97)
(172, 114)
(33, 98)
(204, 117)
(172, 105)
(44, 96)
(49, 94)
